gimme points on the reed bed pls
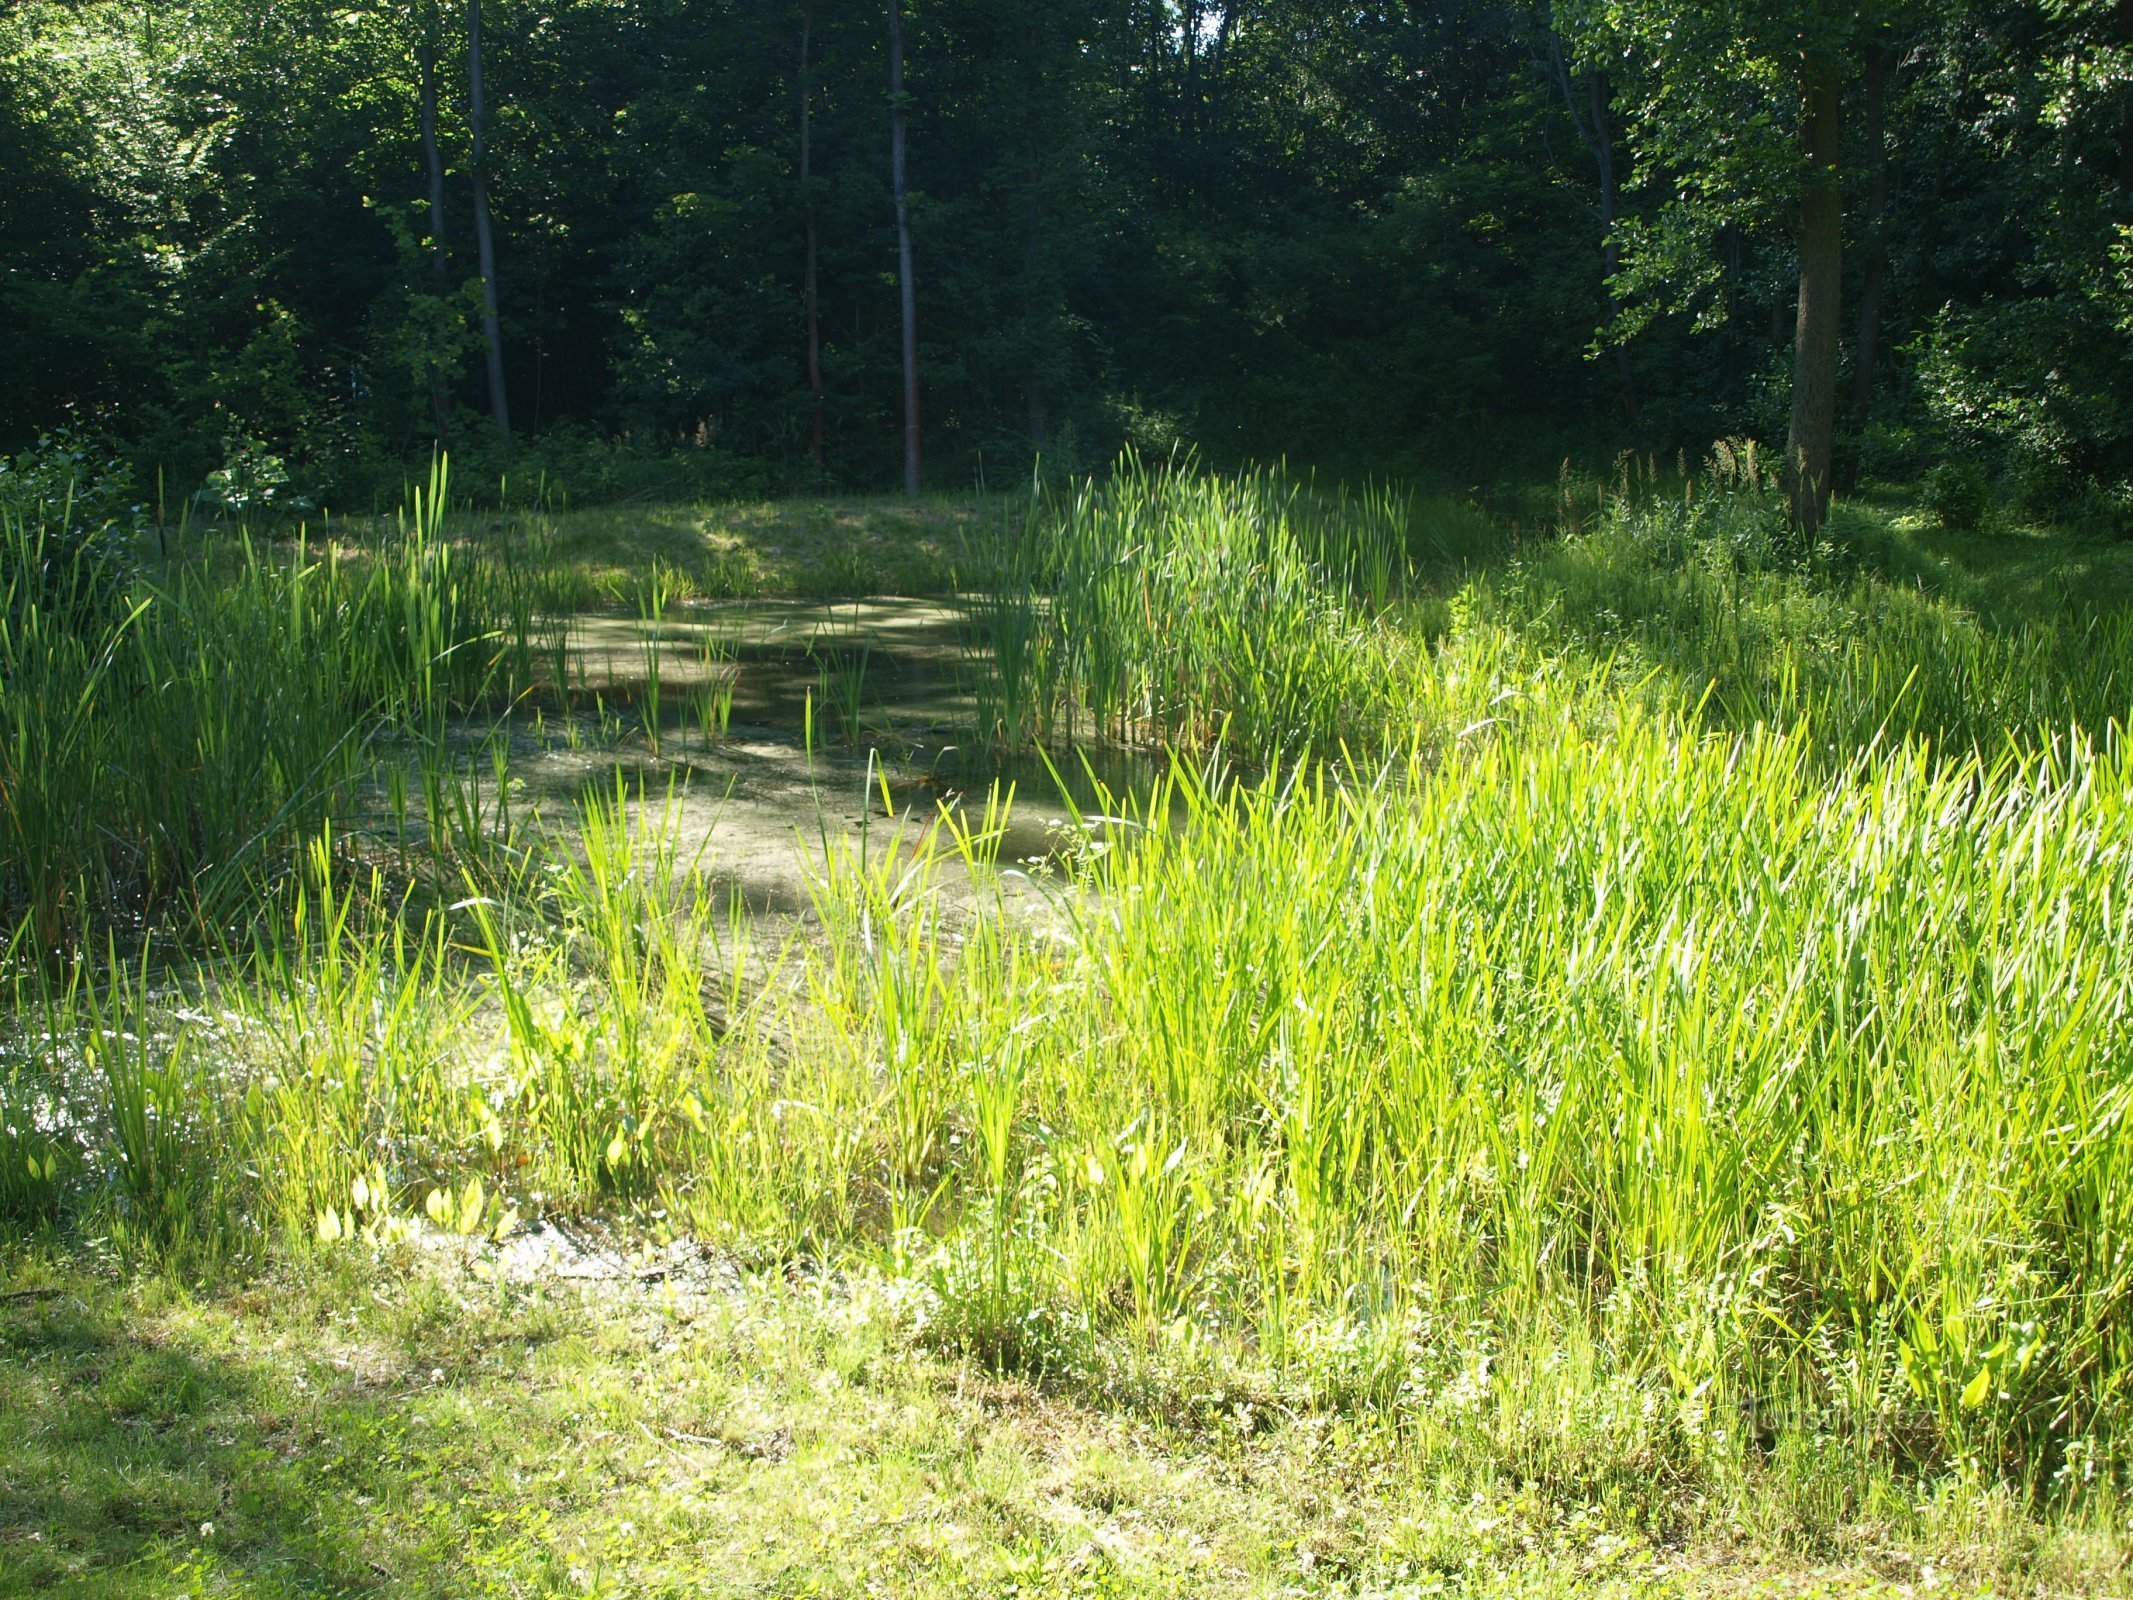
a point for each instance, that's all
(1617, 1084)
(1649, 1100)
(1167, 608)
(173, 730)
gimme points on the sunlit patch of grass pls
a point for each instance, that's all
(400, 1428)
(811, 549)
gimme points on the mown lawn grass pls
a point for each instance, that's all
(402, 1428)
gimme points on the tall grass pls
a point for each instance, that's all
(1165, 606)
(1169, 607)
(1617, 1083)
(1706, 597)
(167, 737)
(1632, 1102)
(551, 1046)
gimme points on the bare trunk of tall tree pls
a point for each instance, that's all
(1189, 85)
(484, 237)
(1810, 446)
(808, 297)
(1214, 136)
(426, 60)
(1603, 142)
(2124, 13)
(1033, 299)
(1597, 134)
(1877, 204)
(903, 243)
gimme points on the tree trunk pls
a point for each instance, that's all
(484, 237)
(1189, 85)
(2124, 12)
(1877, 203)
(1216, 73)
(1598, 136)
(426, 60)
(903, 243)
(808, 296)
(1810, 446)
(1603, 145)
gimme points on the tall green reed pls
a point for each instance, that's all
(1670, 1079)
(1169, 606)
(161, 754)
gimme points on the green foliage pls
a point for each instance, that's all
(2036, 388)
(161, 748)
(1168, 606)
(1958, 493)
(69, 530)
(1604, 1053)
(1220, 252)
(252, 482)
(40, 1157)
(1382, 242)
(69, 485)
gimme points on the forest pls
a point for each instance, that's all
(296, 245)
(1112, 798)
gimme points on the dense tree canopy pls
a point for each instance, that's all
(1372, 237)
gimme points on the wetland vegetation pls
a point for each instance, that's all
(1443, 910)
(1625, 1029)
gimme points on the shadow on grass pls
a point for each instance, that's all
(132, 1465)
(1967, 640)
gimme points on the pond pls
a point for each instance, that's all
(765, 732)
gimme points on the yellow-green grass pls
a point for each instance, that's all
(1653, 1045)
(809, 548)
(402, 1429)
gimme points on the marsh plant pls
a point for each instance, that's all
(162, 751)
(1165, 605)
(1688, 1038)
(718, 668)
(842, 656)
(654, 596)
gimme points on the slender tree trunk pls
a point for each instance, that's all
(903, 243)
(1035, 301)
(1189, 83)
(1214, 137)
(1596, 133)
(1603, 146)
(1877, 203)
(484, 237)
(2124, 11)
(808, 296)
(1810, 446)
(426, 60)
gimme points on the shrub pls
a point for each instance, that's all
(1957, 493)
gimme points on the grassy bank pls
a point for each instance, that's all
(402, 1428)
(1646, 1053)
